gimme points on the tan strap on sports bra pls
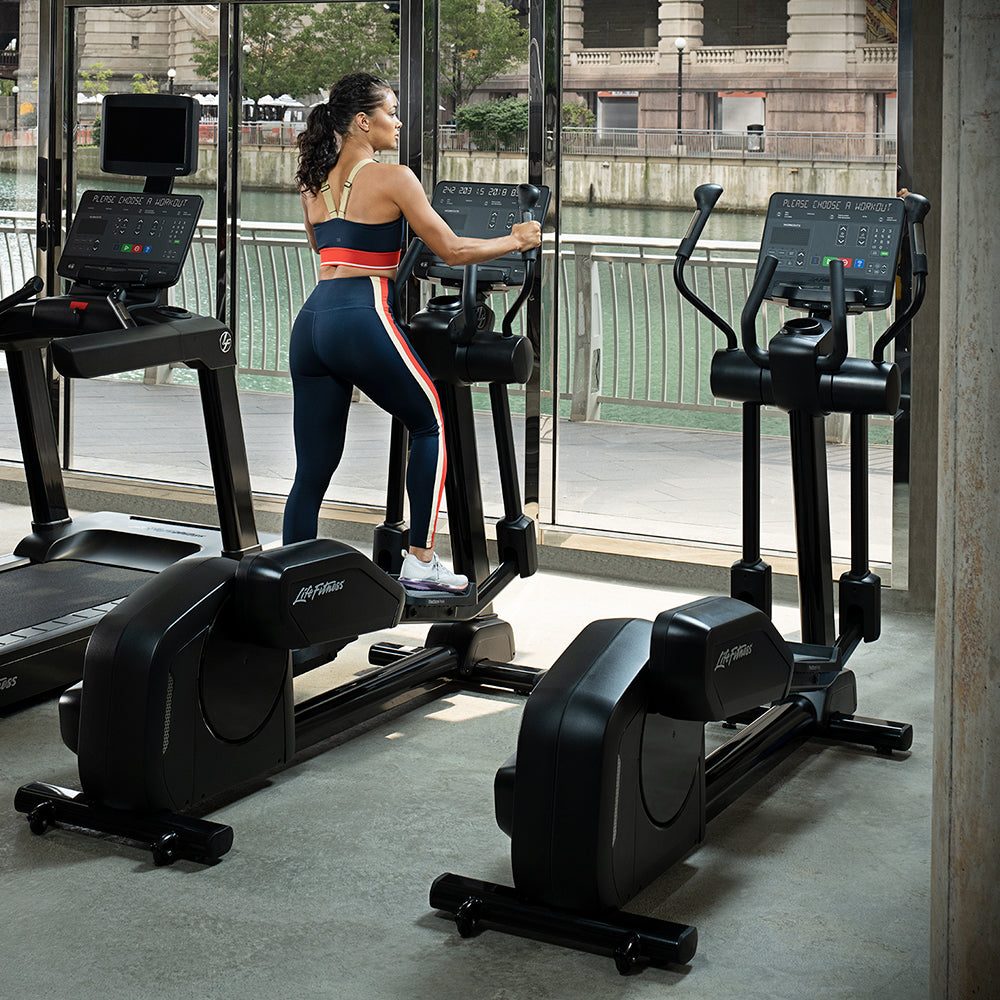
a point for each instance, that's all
(331, 205)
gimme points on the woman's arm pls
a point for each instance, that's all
(455, 251)
(309, 229)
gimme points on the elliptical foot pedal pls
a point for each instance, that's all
(633, 941)
(441, 598)
(168, 836)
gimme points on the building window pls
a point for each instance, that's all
(617, 109)
(736, 109)
(610, 24)
(745, 23)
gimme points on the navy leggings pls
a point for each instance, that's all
(345, 335)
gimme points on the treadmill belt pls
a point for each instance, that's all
(43, 592)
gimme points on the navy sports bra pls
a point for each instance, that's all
(356, 244)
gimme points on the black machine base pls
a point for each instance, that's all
(169, 836)
(633, 941)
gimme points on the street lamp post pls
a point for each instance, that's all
(15, 92)
(680, 44)
(171, 73)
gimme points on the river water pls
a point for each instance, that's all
(17, 193)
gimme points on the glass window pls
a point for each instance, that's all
(18, 172)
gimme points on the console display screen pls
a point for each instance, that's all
(149, 135)
(482, 211)
(806, 232)
(135, 134)
(129, 239)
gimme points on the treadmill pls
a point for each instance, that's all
(123, 251)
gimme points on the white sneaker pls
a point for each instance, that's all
(416, 574)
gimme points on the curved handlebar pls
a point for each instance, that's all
(705, 196)
(915, 207)
(527, 199)
(28, 290)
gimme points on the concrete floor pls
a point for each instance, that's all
(813, 885)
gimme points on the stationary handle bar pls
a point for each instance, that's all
(838, 320)
(828, 363)
(705, 197)
(748, 318)
(408, 262)
(915, 208)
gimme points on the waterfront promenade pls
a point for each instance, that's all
(638, 480)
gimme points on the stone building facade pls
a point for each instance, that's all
(788, 65)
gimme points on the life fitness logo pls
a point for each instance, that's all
(314, 590)
(6, 683)
(225, 341)
(733, 654)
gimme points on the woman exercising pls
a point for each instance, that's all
(347, 333)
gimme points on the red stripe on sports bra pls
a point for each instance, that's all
(332, 256)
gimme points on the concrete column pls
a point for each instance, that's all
(680, 18)
(965, 861)
(823, 35)
(572, 26)
(918, 510)
(28, 50)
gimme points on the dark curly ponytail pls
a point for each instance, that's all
(319, 144)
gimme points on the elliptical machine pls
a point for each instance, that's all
(611, 783)
(187, 685)
(456, 338)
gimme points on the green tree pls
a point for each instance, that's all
(501, 120)
(577, 116)
(346, 38)
(479, 39)
(95, 78)
(272, 53)
(290, 52)
(506, 118)
(142, 84)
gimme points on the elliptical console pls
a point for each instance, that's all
(806, 232)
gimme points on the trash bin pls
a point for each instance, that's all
(755, 138)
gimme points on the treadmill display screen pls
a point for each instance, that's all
(129, 239)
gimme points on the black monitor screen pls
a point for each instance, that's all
(154, 135)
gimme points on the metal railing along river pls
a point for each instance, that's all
(629, 348)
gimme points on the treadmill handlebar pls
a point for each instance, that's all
(27, 291)
(198, 340)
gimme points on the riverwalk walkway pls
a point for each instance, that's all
(659, 482)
